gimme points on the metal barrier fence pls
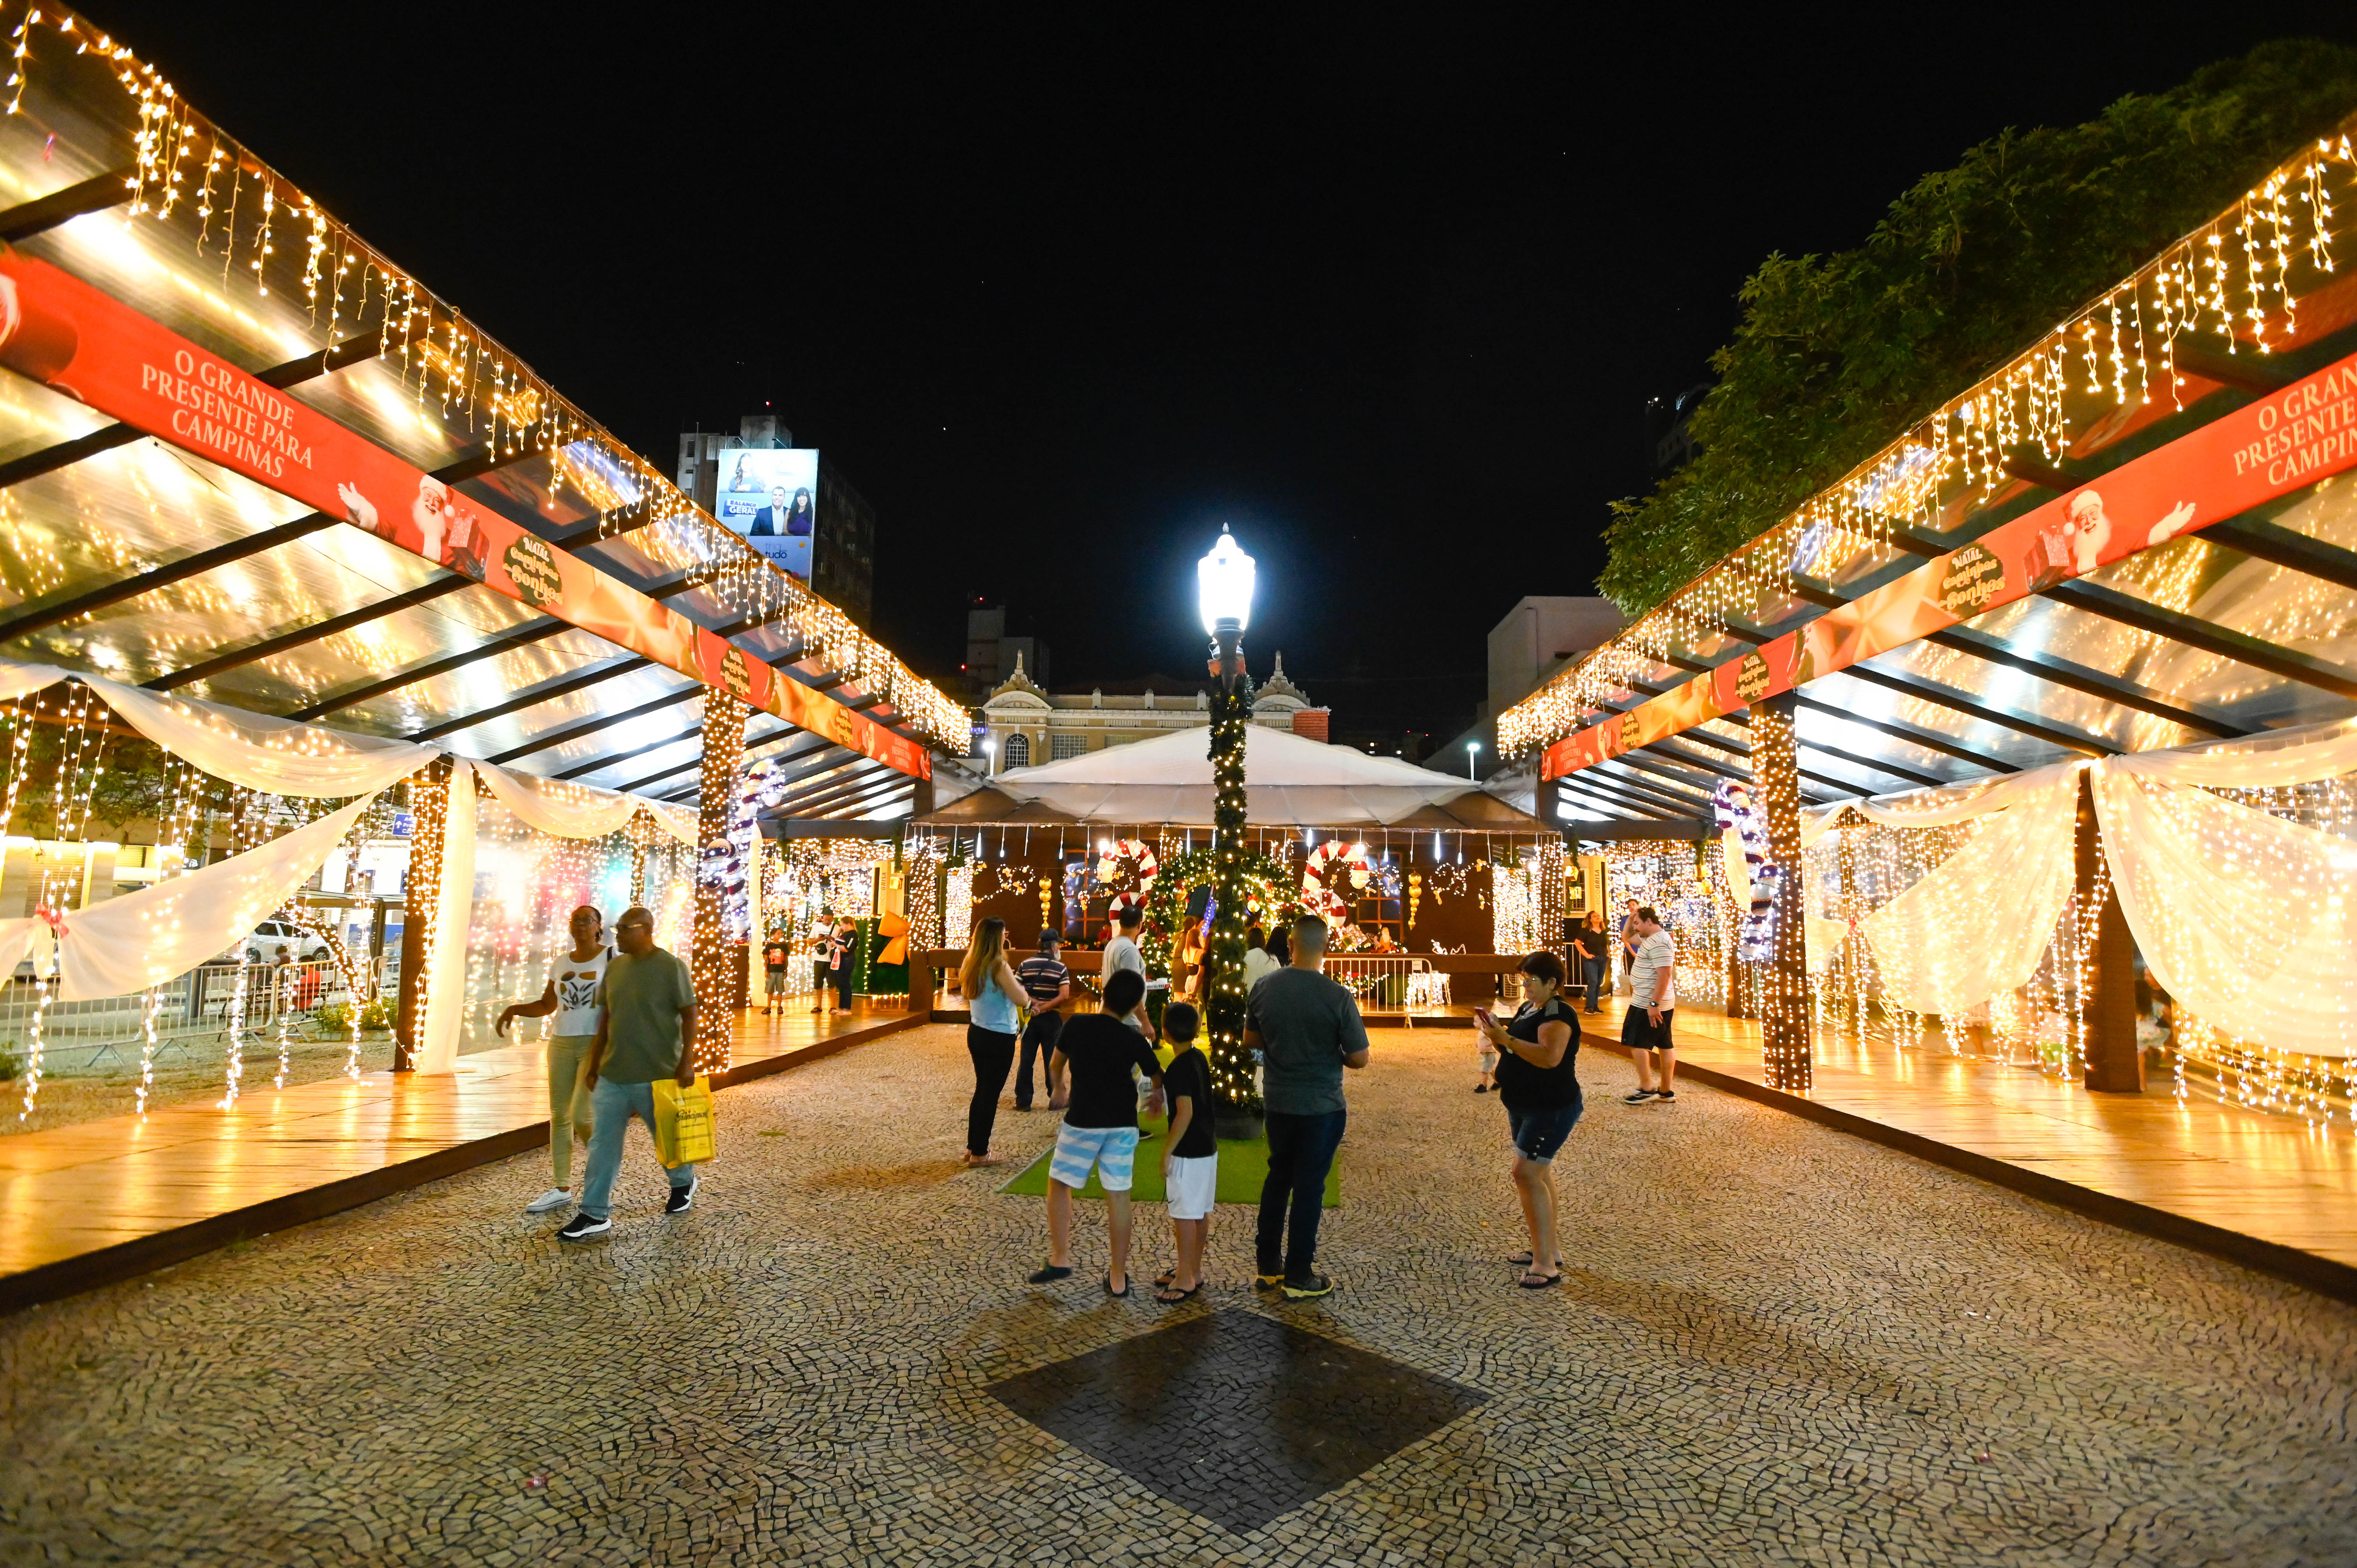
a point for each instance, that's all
(192, 1010)
(1378, 982)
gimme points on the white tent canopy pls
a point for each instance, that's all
(1290, 782)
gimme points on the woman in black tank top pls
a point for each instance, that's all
(1541, 1091)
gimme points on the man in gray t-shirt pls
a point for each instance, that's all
(1121, 951)
(1307, 1030)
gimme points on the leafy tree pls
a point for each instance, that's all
(1836, 355)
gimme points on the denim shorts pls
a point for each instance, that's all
(1538, 1133)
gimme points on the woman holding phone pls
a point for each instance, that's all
(1536, 1080)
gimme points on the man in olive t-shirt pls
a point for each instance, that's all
(646, 1032)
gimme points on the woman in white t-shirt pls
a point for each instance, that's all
(572, 996)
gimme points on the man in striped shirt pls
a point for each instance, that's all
(1652, 1003)
(1047, 983)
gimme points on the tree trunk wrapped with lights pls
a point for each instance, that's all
(716, 964)
(1231, 1064)
(429, 805)
(1784, 979)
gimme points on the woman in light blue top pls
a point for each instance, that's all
(994, 998)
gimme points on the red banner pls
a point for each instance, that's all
(60, 332)
(2272, 448)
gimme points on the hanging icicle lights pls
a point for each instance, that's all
(2226, 289)
(190, 177)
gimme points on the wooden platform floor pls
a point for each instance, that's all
(103, 1199)
(2221, 1170)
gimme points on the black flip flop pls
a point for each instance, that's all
(1121, 1294)
(1524, 1258)
(1048, 1275)
(1540, 1281)
(1167, 1298)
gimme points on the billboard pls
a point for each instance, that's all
(770, 495)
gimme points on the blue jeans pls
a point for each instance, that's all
(1039, 1041)
(1300, 1152)
(611, 1106)
(1592, 971)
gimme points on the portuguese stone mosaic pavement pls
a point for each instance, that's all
(1774, 1344)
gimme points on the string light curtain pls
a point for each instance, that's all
(2243, 917)
(2229, 288)
(1940, 947)
(282, 258)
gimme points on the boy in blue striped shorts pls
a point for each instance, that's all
(1097, 1051)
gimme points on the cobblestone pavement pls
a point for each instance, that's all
(1775, 1345)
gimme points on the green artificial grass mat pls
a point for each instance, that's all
(1244, 1165)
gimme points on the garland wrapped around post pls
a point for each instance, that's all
(1232, 1065)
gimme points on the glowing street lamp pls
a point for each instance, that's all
(1223, 586)
(1471, 747)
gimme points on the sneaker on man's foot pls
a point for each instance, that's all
(1268, 1282)
(581, 1228)
(553, 1198)
(681, 1199)
(1306, 1286)
(1641, 1097)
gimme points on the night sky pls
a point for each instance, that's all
(1061, 295)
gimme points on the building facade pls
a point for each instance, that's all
(992, 656)
(1024, 725)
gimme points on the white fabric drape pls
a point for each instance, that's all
(553, 806)
(2244, 918)
(21, 939)
(2255, 762)
(144, 939)
(681, 823)
(279, 757)
(1979, 922)
(446, 972)
(17, 679)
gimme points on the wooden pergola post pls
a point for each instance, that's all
(1784, 1031)
(2107, 976)
(717, 963)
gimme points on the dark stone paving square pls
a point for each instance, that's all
(1235, 1416)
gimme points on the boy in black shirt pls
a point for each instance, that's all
(1099, 1129)
(1190, 1159)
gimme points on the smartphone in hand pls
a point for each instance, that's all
(1482, 1016)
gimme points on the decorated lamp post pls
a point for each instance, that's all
(1223, 589)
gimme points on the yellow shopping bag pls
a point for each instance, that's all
(683, 1122)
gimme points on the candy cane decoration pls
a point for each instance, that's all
(1355, 875)
(1749, 876)
(1148, 864)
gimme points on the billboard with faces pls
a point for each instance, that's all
(770, 495)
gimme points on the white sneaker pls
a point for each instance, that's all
(553, 1198)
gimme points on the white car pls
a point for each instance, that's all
(262, 946)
